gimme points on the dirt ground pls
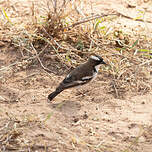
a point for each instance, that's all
(92, 121)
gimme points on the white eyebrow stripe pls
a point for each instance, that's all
(95, 58)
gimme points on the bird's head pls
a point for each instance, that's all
(96, 59)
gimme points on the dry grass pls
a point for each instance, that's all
(12, 132)
(54, 37)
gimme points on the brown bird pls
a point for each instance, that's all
(80, 75)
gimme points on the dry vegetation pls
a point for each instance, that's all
(50, 38)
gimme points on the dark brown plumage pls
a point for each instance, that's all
(79, 76)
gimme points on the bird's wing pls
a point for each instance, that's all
(72, 81)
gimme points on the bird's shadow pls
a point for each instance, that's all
(67, 107)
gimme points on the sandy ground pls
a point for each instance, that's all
(91, 121)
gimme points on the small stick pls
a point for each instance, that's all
(37, 56)
(105, 15)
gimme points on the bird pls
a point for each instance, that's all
(79, 76)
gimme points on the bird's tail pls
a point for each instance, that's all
(54, 94)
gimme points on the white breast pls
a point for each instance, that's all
(97, 67)
(95, 73)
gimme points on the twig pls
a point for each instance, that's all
(67, 49)
(149, 61)
(4, 68)
(23, 47)
(96, 43)
(53, 39)
(105, 15)
(37, 56)
(89, 19)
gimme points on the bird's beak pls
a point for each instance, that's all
(104, 63)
